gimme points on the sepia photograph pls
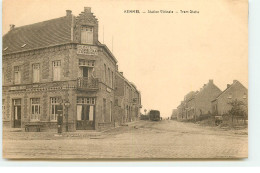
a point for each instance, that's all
(133, 80)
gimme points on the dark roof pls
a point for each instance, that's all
(236, 81)
(38, 35)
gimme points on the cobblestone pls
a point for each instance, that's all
(141, 140)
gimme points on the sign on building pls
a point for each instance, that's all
(87, 50)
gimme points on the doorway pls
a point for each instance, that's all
(17, 115)
(85, 113)
(85, 72)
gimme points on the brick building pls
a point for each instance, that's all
(198, 103)
(234, 91)
(127, 100)
(58, 64)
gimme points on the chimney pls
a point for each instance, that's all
(228, 85)
(87, 9)
(68, 12)
(121, 73)
(234, 81)
(117, 67)
(211, 81)
(204, 85)
(12, 27)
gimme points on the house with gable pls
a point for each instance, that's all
(234, 91)
(58, 67)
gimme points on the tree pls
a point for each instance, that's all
(238, 109)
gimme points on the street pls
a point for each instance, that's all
(141, 140)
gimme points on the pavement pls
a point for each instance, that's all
(165, 139)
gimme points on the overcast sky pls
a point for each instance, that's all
(165, 55)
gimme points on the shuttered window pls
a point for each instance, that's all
(36, 73)
(17, 75)
(86, 35)
(56, 66)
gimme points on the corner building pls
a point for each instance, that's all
(56, 64)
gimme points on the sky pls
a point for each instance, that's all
(166, 55)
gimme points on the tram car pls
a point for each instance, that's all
(154, 115)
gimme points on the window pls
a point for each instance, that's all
(56, 70)
(54, 108)
(17, 75)
(229, 96)
(109, 78)
(105, 73)
(36, 73)
(86, 100)
(36, 109)
(85, 108)
(116, 102)
(244, 96)
(87, 63)
(104, 109)
(87, 35)
(110, 111)
(112, 80)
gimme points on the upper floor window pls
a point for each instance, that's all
(87, 35)
(36, 73)
(109, 77)
(87, 63)
(105, 73)
(56, 66)
(112, 79)
(230, 96)
(244, 96)
(17, 75)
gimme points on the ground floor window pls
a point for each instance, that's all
(85, 108)
(54, 108)
(35, 109)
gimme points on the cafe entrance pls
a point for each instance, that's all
(85, 113)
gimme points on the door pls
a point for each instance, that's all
(17, 113)
(85, 72)
(85, 117)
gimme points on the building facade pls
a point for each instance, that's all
(197, 104)
(58, 66)
(234, 91)
(174, 114)
(127, 100)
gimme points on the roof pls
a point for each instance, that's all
(235, 82)
(48, 33)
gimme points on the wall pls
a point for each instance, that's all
(237, 91)
(204, 98)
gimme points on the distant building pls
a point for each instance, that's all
(234, 91)
(198, 103)
(174, 114)
(181, 111)
(127, 100)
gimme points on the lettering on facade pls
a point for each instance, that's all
(87, 50)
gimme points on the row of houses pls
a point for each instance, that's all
(210, 100)
(59, 66)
